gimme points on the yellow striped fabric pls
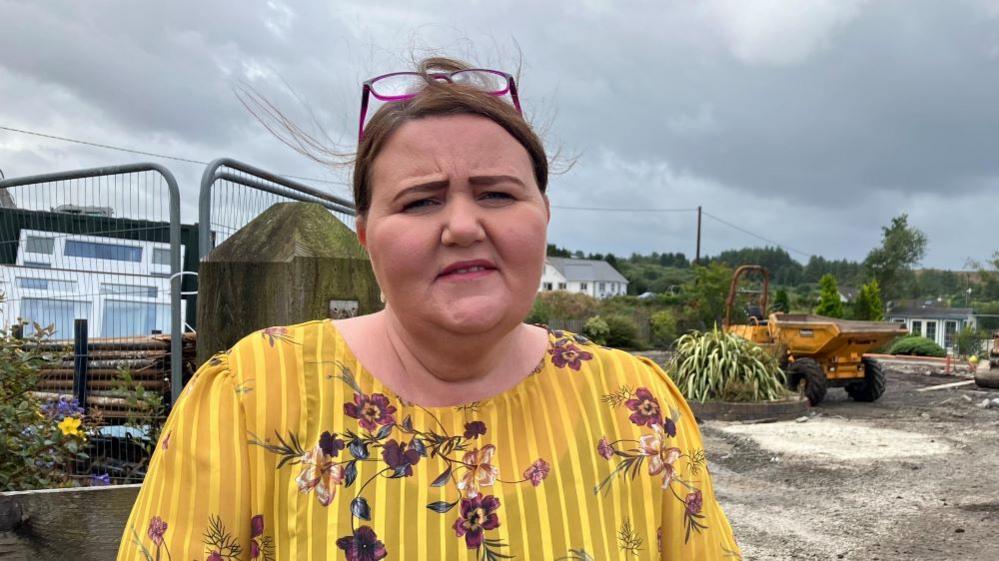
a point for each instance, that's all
(285, 447)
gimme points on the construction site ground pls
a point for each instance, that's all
(913, 476)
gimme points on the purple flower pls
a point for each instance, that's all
(100, 480)
(330, 444)
(567, 354)
(157, 527)
(605, 449)
(669, 427)
(363, 545)
(477, 516)
(537, 472)
(215, 556)
(59, 409)
(399, 458)
(370, 411)
(257, 526)
(474, 429)
(256, 531)
(645, 409)
(694, 502)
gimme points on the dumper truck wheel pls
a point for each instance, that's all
(872, 386)
(809, 371)
(988, 379)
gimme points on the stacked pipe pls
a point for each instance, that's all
(147, 359)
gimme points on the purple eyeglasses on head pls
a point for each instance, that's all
(400, 86)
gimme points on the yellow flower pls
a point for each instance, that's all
(70, 426)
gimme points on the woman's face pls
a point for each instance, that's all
(456, 227)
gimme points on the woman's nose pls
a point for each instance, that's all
(462, 223)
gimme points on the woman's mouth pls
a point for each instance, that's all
(467, 270)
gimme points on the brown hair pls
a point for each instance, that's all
(441, 98)
(436, 98)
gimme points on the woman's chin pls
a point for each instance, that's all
(473, 315)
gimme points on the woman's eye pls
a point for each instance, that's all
(497, 195)
(418, 204)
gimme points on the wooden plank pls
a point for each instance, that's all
(945, 386)
(910, 358)
(85, 523)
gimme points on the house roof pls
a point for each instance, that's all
(586, 270)
(931, 312)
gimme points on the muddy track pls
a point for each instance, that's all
(913, 476)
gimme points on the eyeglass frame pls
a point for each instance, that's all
(367, 90)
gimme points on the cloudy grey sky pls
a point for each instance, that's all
(808, 122)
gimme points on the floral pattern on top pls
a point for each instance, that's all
(655, 449)
(467, 467)
(219, 543)
(567, 350)
(376, 437)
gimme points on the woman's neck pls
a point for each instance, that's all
(433, 367)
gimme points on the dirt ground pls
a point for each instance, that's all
(913, 476)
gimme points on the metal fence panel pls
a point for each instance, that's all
(100, 245)
(233, 193)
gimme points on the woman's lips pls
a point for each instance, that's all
(467, 270)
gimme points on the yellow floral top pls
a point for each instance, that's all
(285, 447)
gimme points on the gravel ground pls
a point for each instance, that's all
(913, 476)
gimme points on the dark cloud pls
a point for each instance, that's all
(810, 123)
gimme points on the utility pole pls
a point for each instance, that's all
(697, 257)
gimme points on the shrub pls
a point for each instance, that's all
(39, 439)
(597, 330)
(968, 342)
(663, 327)
(540, 312)
(567, 305)
(622, 332)
(830, 304)
(916, 345)
(146, 410)
(782, 303)
(868, 306)
(707, 293)
(718, 365)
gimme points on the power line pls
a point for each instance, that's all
(745, 231)
(313, 179)
(144, 153)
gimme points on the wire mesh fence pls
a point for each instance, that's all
(234, 193)
(89, 264)
(98, 284)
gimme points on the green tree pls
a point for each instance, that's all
(707, 293)
(663, 327)
(868, 305)
(597, 330)
(902, 246)
(829, 302)
(556, 251)
(781, 301)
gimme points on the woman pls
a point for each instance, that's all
(442, 427)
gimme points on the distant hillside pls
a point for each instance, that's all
(665, 272)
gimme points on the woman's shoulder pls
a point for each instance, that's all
(618, 367)
(278, 338)
(255, 354)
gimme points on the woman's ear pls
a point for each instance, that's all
(548, 208)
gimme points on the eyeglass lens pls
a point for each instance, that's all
(408, 84)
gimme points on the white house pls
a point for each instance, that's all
(122, 287)
(585, 276)
(937, 324)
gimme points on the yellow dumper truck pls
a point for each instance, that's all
(816, 352)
